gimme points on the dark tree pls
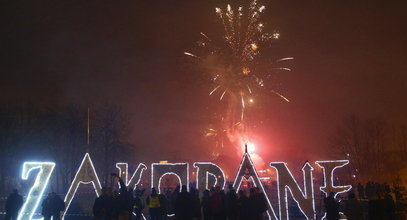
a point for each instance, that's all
(110, 134)
(374, 147)
(18, 123)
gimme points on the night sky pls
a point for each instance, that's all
(350, 58)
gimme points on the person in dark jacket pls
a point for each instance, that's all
(123, 201)
(242, 206)
(173, 199)
(52, 206)
(231, 204)
(361, 191)
(223, 210)
(183, 205)
(331, 207)
(261, 201)
(138, 204)
(13, 205)
(205, 205)
(196, 204)
(130, 201)
(216, 203)
(163, 206)
(59, 206)
(389, 205)
(257, 204)
(353, 208)
(46, 207)
(115, 206)
(102, 208)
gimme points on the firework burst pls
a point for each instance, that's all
(236, 64)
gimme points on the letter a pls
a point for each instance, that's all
(247, 166)
(86, 174)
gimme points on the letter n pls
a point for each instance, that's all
(286, 182)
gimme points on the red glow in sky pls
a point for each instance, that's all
(349, 59)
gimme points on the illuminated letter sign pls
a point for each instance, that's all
(328, 168)
(124, 173)
(159, 170)
(207, 175)
(206, 169)
(247, 166)
(135, 179)
(286, 181)
(37, 190)
(86, 174)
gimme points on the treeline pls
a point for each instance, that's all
(376, 148)
(60, 134)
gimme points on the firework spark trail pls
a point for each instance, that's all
(216, 88)
(240, 14)
(223, 94)
(243, 107)
(236, 64)
(229, 14)
(220, 14)
(282, 68)
(281, 96)
(285, 59)
(190, 54)
(205, 36)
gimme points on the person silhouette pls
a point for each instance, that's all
(153, 202)
(353, 208)
(13, 205)
(231, 203)
(361, 191)
(138, 204)
(184, 205)
(331, 207)
(52, 206)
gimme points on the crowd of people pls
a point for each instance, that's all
(374, 201)
(380, 200)
(214, 204)
(52, 206)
